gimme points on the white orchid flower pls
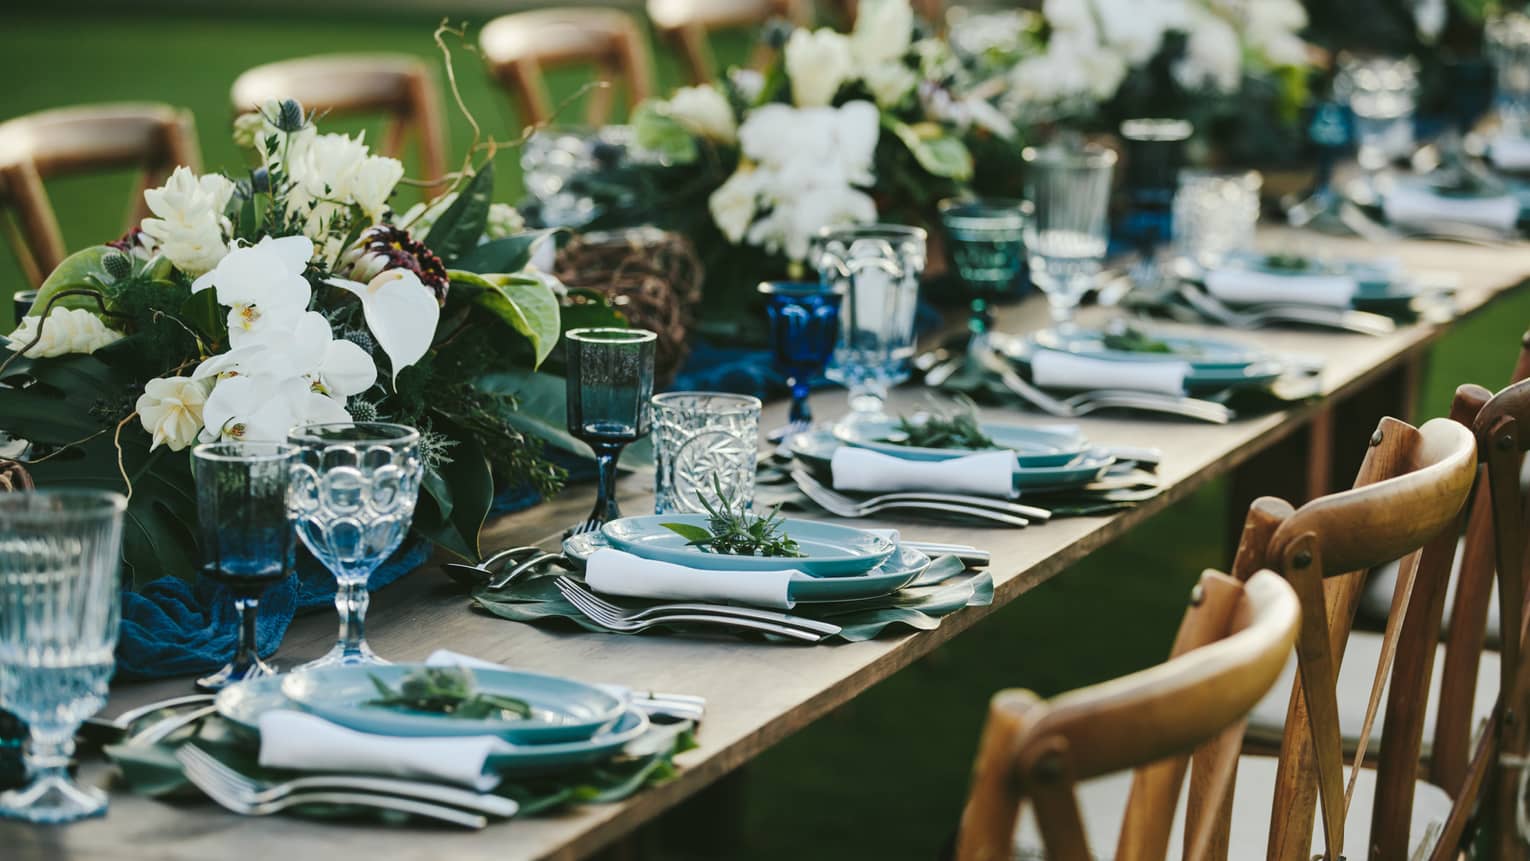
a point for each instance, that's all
(261, 408)
(401, 312)
(262, 285)
(336, 368)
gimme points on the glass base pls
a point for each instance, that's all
(339, 656)
(233, 674)
(52, 798)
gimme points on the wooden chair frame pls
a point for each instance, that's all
(622, 57)
(689, 34)
(397, 85)
(155, 138)
(1233, 641)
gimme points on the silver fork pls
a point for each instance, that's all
(840, 506)
(257, 791)
(803, 478)
(627, 625)
(590, 525)
(1088, 402)
(569, 586)
(230, 800)
(1263, 316)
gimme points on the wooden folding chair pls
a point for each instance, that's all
(397, 85)
(1232, 642)
(687, 24)
(154, 138)
(519, 47)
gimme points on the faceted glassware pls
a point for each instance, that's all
(248, 535)
(1066, 237)
(354, 489)
(1382, 94)
(986, 241)
(60, 553)
(1507, 46)
(877, 268)
(703, 442)
(609, 384)
(804, 326)
(1215, 214)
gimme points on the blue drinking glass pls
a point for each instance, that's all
(609, 386)
(249, 538)
(985, 239)
(804, 327)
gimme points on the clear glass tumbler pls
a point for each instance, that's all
(354, 490)
(703, 442)
(1507, 46)
(1215, 214)
(60, 553)
(877, 268)
(1066, 237)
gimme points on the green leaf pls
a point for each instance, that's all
(510, 254)
(936, 151)
(471, 487)
(83, 269)
(689, 531)
(524, 302)
(657, 131)
(459, 228)
(584, 309)
(541, 411)
(202, 312)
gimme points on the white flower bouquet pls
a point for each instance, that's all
(293, 294)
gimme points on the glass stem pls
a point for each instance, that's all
(48, 754)
(351, 599)
(867, 398)
(800, 412)
(605, 487)
(245, 654)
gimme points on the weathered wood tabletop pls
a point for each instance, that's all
(758, 693)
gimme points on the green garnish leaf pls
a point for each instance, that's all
(1289, 262)
(1133, 340)
(689, 531)
(737, 532)
(938, 429)
(446, 691)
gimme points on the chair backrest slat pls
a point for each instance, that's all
(518, 47)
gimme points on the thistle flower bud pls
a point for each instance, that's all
(289, 116)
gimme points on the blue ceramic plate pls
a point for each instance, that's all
(244, 703)
(815, 449)
(1200, 352)
(562, 710)
(829, 550)
(1201, 379)
(1033, 446)
(1377, 286)
(903, 567)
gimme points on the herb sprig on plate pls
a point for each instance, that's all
(1133, 340)
(735, 531)
(448, 691)
(939, 429)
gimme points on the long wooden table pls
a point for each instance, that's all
(758, 693)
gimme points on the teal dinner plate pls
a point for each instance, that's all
(242, 704)
(829, 549)
(562, 710)
(1033, 446)
(1378, 287)
(903, 567)
(815, 449)
(1199, 352)
(1201, 379)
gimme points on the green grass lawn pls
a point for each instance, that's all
(882, 777)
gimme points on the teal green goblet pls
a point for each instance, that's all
(985, 239)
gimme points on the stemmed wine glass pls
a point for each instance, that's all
(353, 493)
(804, 323)
(247, 535)
(610, 381)
(986, 241)
(59, 614)
(1066, 235)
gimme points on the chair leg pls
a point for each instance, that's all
(691, 39)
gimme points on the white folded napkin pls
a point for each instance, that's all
(302, 742)
(1061, 370)
(1407, 203)
(989, 473)
(1248, 287)
(1510, 152)
(615, 572)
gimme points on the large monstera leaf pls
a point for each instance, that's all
(73, 400)
(524, 302)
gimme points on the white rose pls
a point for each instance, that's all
(748, 82)
(171, 410)
(373, 183)
(68, 330)
(503, 221)
(1271, 28)
(883, 30)
(1135, 28)
(733, 203)
(188, 224)
(248, 129)
(704, 111)
(818, 64)
(324, 172)
(1213, 56)
(1072, 16)
(791, 225)
(890, 83)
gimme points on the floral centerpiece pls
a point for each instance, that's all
(290, 294)
(843, 128)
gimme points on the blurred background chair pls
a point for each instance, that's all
(687, 24)
(518, 48)
(399, 86)
(154, 138)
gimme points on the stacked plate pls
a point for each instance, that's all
(839, 563)
(1362, 285)
(1212, 365)
(570, 723)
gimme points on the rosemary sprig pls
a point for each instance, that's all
(1287, 262)
(939, 429)
(737, 532)
(1134, 340)
(447, 691)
